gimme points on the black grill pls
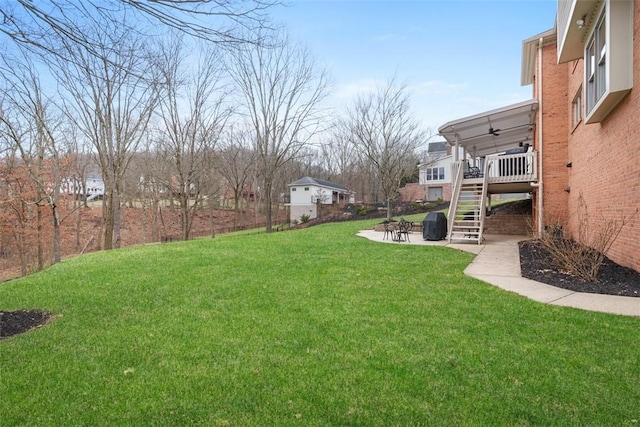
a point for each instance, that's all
(434, 226)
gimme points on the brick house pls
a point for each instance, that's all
(583, 73)
(581, 129)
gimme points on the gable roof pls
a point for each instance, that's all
(529, 51)
(307, 180)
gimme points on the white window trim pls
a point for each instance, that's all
(430, 176)
(608, 64)
(576, 109)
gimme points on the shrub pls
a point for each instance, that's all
(583, 258)
(304, 218)
(362, 210)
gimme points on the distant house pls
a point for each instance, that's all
(435, 172)
(307, 194)
(92, 188)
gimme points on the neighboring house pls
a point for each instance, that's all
(576, 146)
(435, 172)
(308, 194)
(93, 187)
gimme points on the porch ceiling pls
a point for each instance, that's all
(512, 125)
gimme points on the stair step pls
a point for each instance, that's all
(468, 230)
(465, 237)
(465, 232)
(467, 222)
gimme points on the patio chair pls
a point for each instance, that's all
(469, 171)
(404, 228)
(388, 231)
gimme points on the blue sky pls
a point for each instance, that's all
(457, 57)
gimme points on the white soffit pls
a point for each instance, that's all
(493, 131)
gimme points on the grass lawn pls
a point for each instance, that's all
(315, 327)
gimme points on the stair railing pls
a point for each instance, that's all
(457, 173)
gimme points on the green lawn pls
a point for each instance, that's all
(315, 327)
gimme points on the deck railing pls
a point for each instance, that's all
(521, 167)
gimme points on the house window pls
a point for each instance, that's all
(576, 108)
(294, 189)
(306, 188)
(608, 59)
(596, 63)
(435, 174)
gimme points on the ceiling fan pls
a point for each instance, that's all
(493, 131)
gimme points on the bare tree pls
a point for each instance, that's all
(340, 159)
(382, 129)
(29, 122)
(194, 114)
(236, 161)
(223, 22)
(283, 89)
(112, 97)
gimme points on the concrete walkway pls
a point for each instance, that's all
(497, 262)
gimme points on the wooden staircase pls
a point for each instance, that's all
(467, 210)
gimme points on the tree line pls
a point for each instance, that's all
(176, 100)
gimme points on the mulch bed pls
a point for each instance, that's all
(537, 264)
(17, 322)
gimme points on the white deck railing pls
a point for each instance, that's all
(512, 168)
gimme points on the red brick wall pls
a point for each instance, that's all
(606, 171)
(605, 157)
(555, 113)
(414, 191)
(508, 224)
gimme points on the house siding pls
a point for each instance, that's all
(304, 202)
(604, 157)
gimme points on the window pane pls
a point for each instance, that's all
(590, 62)
(589, 73)
(577, 108)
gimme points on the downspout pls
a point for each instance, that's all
(539, 184)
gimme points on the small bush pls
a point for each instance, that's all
(304, 218)
(362, 210)
(583, 258)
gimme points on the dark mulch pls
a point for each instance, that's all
(17, 322)
(613, 279)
